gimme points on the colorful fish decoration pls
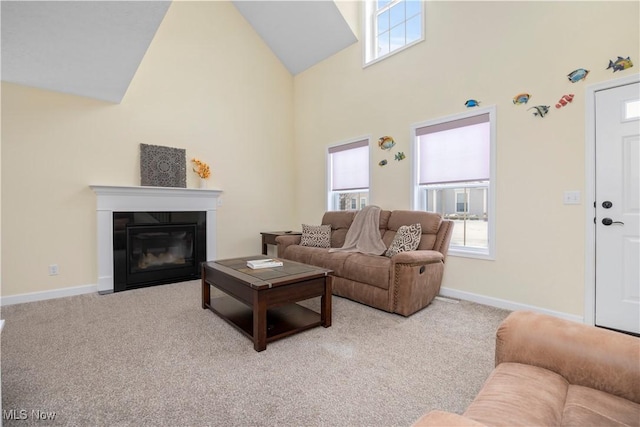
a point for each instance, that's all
(521, 98)
(471, 103)
(564, 100)
(540, 110)
(577, 75)
(620, 64)
(382, 162)
(386, 143)
(400, 156)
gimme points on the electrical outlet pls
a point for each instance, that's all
(53, 270)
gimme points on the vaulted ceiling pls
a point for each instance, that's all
(300, 33)
(93, 48)
(86, 48)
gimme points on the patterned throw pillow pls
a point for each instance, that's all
(407, 239)
(318, 236)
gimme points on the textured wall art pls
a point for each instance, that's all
(163, 166)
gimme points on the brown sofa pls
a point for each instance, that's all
(554, 372)
(403, 284)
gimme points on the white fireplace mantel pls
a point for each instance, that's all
(151, 199)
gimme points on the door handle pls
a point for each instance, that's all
(609, 221)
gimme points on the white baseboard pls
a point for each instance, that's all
(505, 304)
(55, 293)
(444, 292)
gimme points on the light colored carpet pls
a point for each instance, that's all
(153, 356)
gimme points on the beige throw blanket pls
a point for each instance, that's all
(364, 234)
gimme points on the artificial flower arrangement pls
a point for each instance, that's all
(201, 168)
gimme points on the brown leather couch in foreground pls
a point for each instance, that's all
(403, 283)
(554, 372)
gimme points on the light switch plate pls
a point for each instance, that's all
(572, 197)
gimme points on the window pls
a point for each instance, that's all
(454, 163)
(390, 26)
(461, 201)
(632, 109)
(348, 174)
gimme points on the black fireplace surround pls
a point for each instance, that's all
(154, 248)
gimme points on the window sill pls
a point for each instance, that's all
(390, 54)
(470, 253)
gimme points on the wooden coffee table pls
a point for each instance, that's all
(262, 303)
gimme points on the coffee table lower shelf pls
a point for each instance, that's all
(281, 321)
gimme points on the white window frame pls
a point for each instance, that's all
(488, 253)
(329, 172)
(370, 33)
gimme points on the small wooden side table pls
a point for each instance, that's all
(269, 238)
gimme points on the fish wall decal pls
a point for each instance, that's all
(540, 110)
(620, 64)
(577, 75)
(564, 100)
(521, 98)
(472, 103)
(386, 143)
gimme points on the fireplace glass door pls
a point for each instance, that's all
(160, 247)
(158, 252)
(153, 248)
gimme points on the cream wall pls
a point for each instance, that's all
(208, 84)
(489, 51)
(350, 11)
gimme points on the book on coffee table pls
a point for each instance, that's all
(264, 263)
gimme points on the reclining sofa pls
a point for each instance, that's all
(403, 283)
(555, 372)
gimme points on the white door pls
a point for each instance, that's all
(617, 207)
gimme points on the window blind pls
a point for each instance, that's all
(455, 151)
(350, 166)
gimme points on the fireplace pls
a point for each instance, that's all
(170, 231)
(152, 248)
